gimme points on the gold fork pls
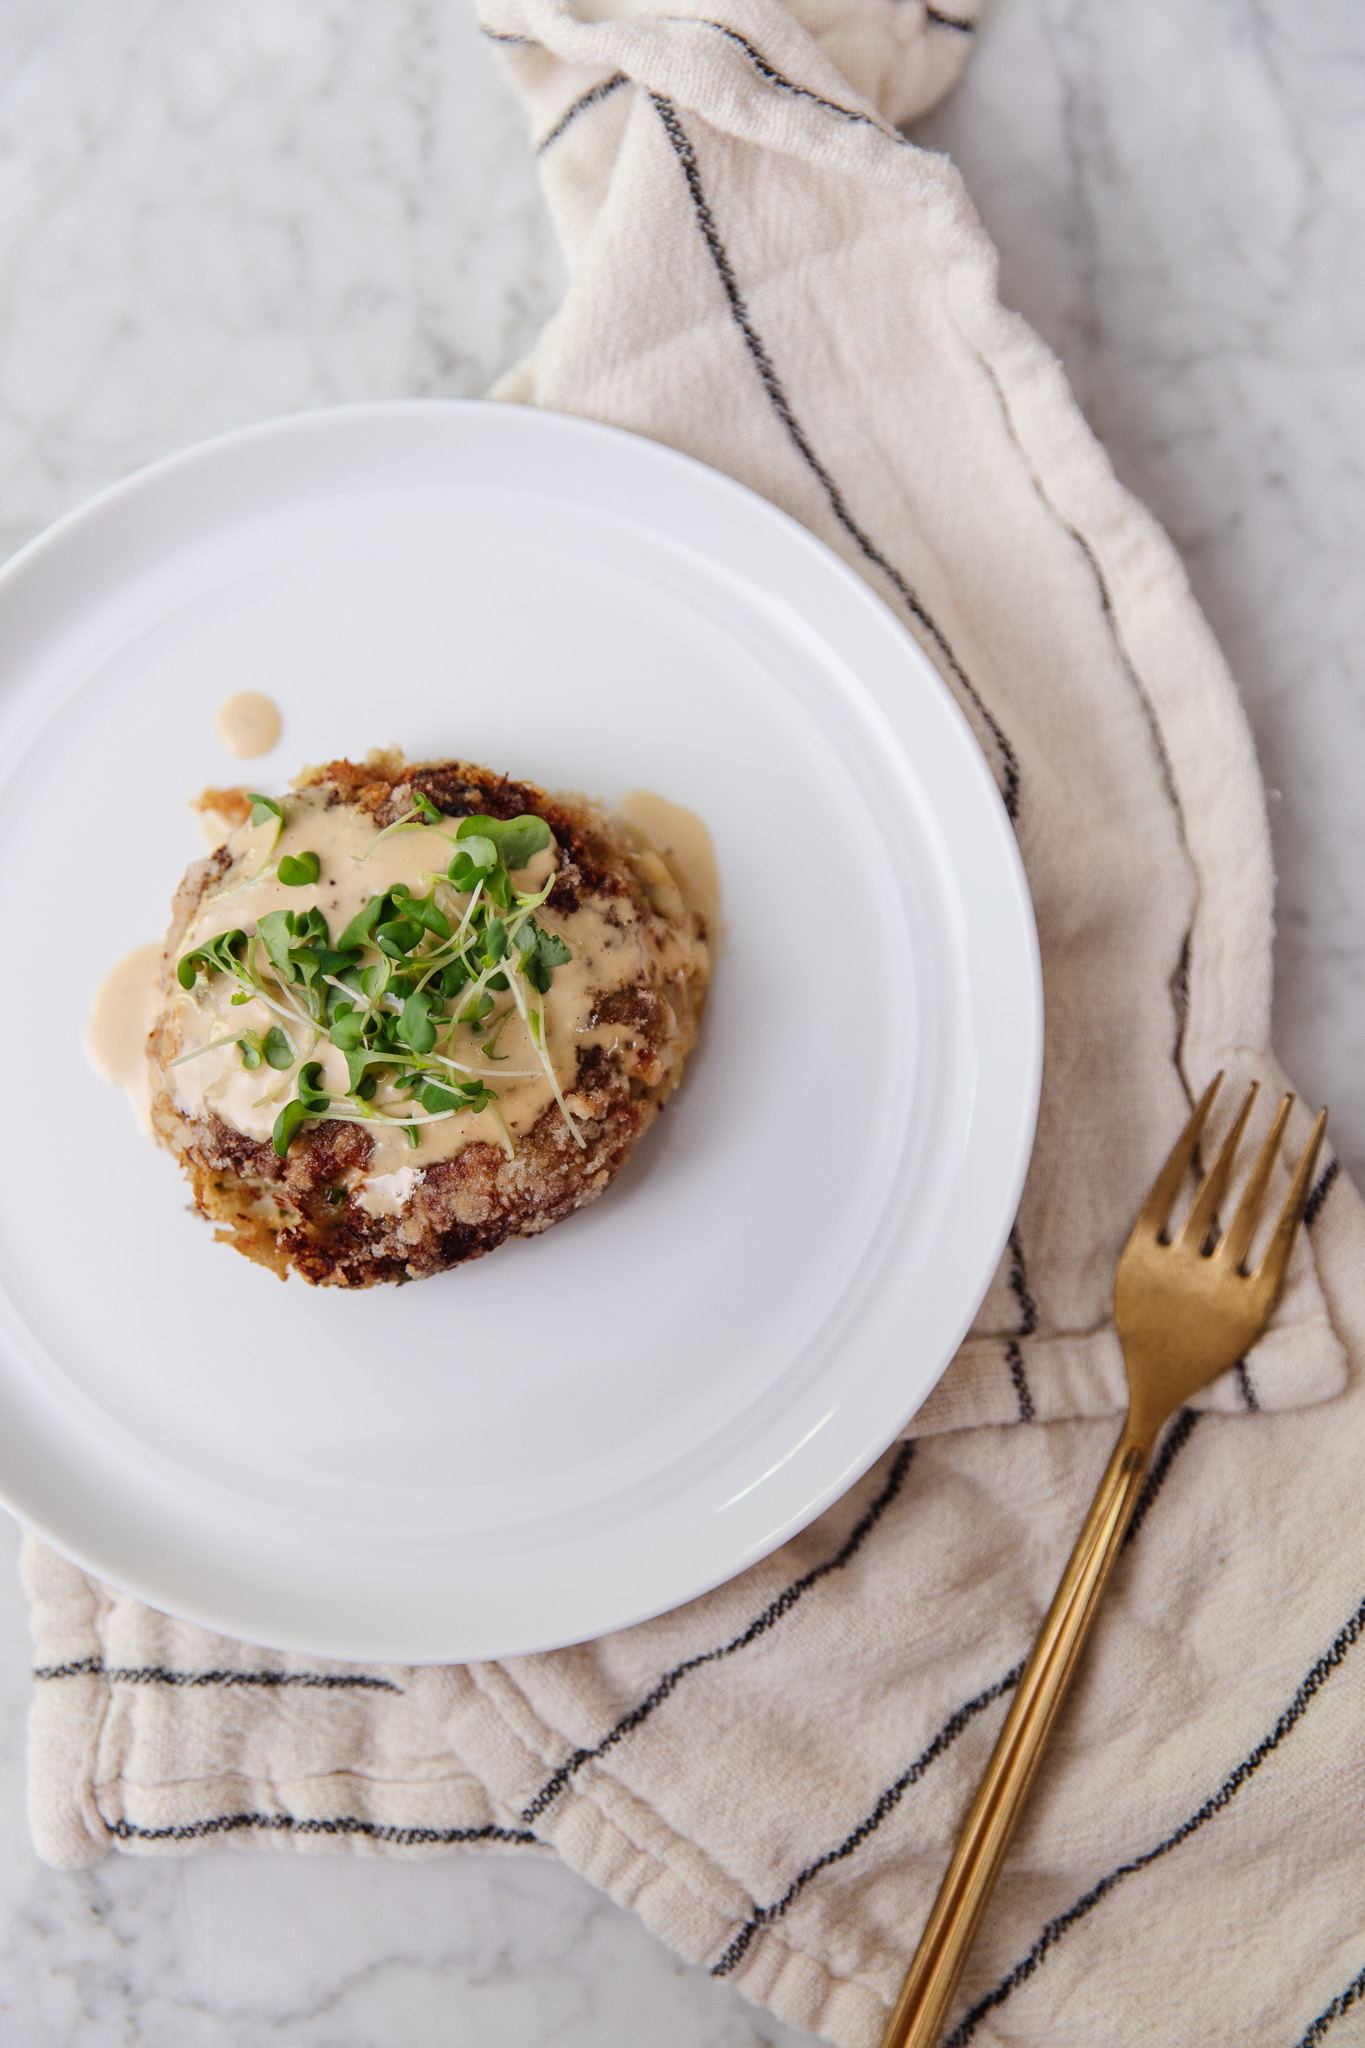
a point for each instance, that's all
(1186, 1310)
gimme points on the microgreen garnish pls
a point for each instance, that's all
(289, 1120)
(220, 953)
(263, 809)
(403, 980)
(311, 1092)
(298, 873)
(272, 1046)
(422, 817)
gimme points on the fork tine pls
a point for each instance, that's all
(1199, 1222)
(1237, 1238)
(1166, 1186)
(1271, 1270)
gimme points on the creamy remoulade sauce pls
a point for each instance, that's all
(682, 840)
(247, 724)
(610, 947)
(116, 1035)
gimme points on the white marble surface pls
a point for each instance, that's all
(209, 215)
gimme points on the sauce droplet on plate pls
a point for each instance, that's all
(247, 724)
(116, 1035)
(683, 842)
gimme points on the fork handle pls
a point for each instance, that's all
(966, 1889)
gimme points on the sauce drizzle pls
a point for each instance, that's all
(247, 724)
(116, 1035)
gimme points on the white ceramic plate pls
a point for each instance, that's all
(588, 1428)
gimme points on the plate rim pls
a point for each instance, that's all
(1003, 848)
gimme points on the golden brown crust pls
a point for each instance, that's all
(302, 1211)
(593, 854)
(230, 807)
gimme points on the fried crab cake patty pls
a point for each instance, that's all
(349, 1200)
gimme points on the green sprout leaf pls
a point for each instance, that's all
(263, 807)
(476, 829)
(398, 937)
(348, 1028)
(435, 1099)
(488, 1047)
(273, 1047)
(415, 1027)
(338, 960)
(311, 1094)
(358, 1061)
(279, 1053)
(275, 931)
(286, 1124)
(424, 909)
(360, 931)
(299, 873)
(475, 857)
(546, 952)
(514, 840)
(426, 809)
(218, 956)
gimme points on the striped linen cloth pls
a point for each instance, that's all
(765, 274)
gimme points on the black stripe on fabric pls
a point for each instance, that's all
(1246, 1387)
(1316, 1677)
(759, 1626)
(1174, 1442)
(593, 97)
(1028, 1307)
(962, 28)
(158, 1674)
(341, 1824)
(1180, 974)
(496, 35)
(1312, 1208)
(1014, 1359)
(1330, 2014)
(784, 84)
(1028, 1323)
(1179, 985)
(781, 405)
(764, 1916)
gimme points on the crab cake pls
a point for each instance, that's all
(410, 1010)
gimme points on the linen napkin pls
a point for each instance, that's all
(767, 275)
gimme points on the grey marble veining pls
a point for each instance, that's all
(209, 215)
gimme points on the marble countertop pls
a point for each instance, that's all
(209, 216)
